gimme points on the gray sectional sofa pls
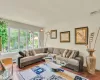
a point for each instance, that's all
(71, 57)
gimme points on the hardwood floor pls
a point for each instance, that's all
(84, 74)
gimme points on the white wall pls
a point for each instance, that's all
(93, 22)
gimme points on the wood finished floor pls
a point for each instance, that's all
(84, 74)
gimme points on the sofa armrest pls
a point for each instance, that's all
(18, 61)
(81, 61)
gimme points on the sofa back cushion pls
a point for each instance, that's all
(50, 50)
(56, 51)
(62, 51)
(39, 50)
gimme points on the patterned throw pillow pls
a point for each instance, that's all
(76, 54)
(65, 53)
(26, 53)
(72, 54)
(68, 54)
(32, 52)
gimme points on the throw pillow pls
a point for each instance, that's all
(68, 54)
(76, 54)
(71, 55)
(22, 54)
(65, 53)
(45, 50)
(50, 50)
(26, 53)
(32, 52)
(56, 51)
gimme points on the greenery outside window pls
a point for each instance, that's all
(13, 40)
(36, 39)
(23, 39)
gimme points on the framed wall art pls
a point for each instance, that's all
(53, 34)
(81, 35)
(65, 36)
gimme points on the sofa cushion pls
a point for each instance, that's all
(68, 53)
(56, 51)
(30, 58)
(50, 50)
(39, 50)
(73, 62)
(58, 57)
(65, 53)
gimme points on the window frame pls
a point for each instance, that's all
(27, 31)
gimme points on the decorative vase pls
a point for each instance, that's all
(91, 61)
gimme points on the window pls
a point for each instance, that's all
(6, 44)
(36, 39)
(23, 39)
(19, 40)
(30, 40)
(13, 40)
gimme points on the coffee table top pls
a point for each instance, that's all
(45, 72)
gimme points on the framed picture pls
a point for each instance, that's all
(81, 35)
(65, 36)
(53, 34)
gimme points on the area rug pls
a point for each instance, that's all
(44, 72)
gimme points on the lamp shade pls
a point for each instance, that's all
(0, 43)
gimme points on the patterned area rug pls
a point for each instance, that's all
(44, 72)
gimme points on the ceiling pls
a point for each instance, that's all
(44, 13)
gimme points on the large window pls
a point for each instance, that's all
(30, 40)
(23, 38)
(5, 49)
(13, 39)
(19, 40)
(36, 39)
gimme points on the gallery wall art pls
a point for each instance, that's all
(81, 35)
(53, 34)
(65, 36)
